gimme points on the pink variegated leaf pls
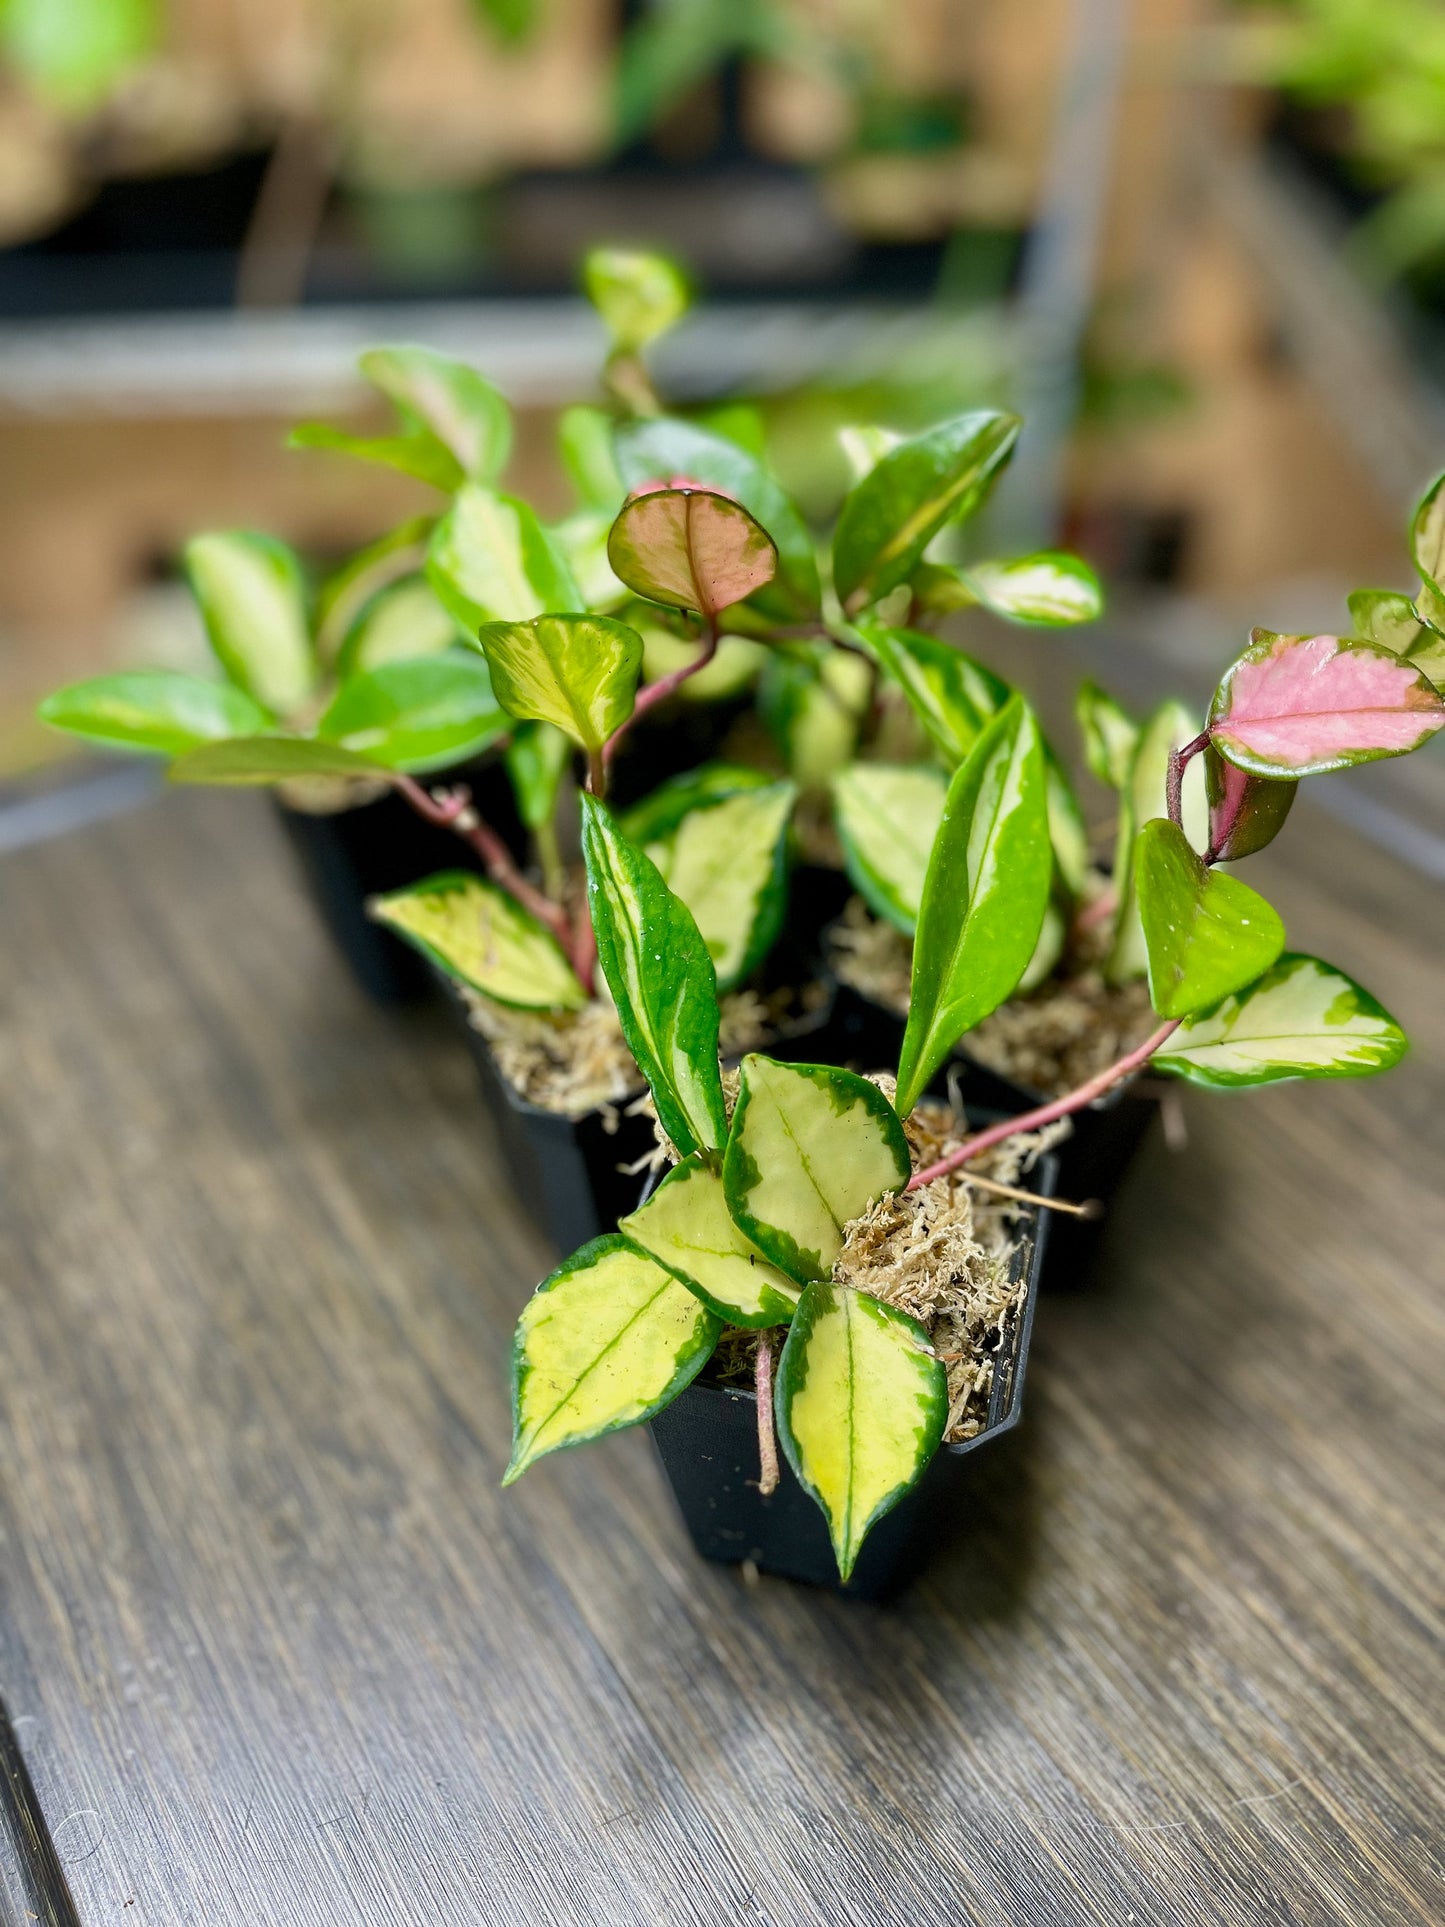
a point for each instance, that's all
(1300, 705)
(690, 547)
(1245, 811)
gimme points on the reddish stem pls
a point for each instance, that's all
(768, 1473)
(659, 691)
(1179, 761)
(452, 810)
(1099, 911)
(1035, 1120)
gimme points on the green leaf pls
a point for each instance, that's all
(1388, 618)
(984, 897)
(578, 673)
(662, 982)
(658, 814)
(159, 711)
(1049, 590)
(480, 935)
(584, 442)
(691, 549)
(639, 296)
(1170, 727)
(887, 818)
(666, 450)
(258, 760)
(952, 695)
(1207, 935)
(401, 621)
(512, 21)
(1110, 734)
(813, 699)
(811, 1148)
(459, 407)
(490, 560)
(1303, 1018)
(609, 1339)
(728, 861)
(419, 454)
(345, 592)
(252, 597)
(737, 421)
(1427, 547)
(581, 541)
(73, 52)
(1068, 832)
(419, 715)
(537, 759)
(889, 518)
(685, 1226)
(862, 1406)
(1246, 812)
(864, 445)
(1428, 658)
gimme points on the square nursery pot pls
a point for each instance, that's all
(707, 1440)
(349, 855)
(1092, 1161)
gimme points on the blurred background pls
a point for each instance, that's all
(1201, 247)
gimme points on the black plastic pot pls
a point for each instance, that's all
(707, 1440)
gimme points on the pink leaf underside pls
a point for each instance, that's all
(1236, 787)
(695, 548)
(1312, 698)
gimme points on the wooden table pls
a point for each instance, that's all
(277, 1649)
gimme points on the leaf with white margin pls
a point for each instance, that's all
(865, 445)
(1302, 705)
(1143, 798)
(160, 712)
(417, 715)
(607, 1341)
(888, 519)
(984, 897)
(1068, 832)
(728, 862)
(578, 673)
(813, 699)
(691, 549)
(952, 695)
(660, 812)
(1302, 1018)
(811, 1147)
(401, 621)
(685, 1225)
(1207, 934)
(1110, 734)
(887, 816)
(736, 662)
(253, 600)
(662, 981)
(1427, 547)
(862, 1404)
(483, 937)
(490, 560)
(460, 407)
(1051, 589)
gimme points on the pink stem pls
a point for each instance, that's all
(454, 811)
(1047, 1113)
(1179, 761)
(768, 1473)
(1103, 907)
(659, 691)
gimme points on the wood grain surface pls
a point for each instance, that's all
(277, 1648)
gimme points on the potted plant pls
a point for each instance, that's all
(813, 1207)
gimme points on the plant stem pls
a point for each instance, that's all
(1179, 761)
(659, 691)
(767, 1436)
(453, 811)
(1035, 1120)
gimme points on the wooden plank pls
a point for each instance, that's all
(279, 1649)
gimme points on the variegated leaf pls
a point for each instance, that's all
(638, 295)
(1206, 934)
(729, 864)
(1303, 1018)
(813, 699)
(685, 1225)
(984, 897)
(952, 695)
(734, 666)
(1246, 812)
(578, 673)
(399, 622)
(1068, 832)
(660, 813)
(887, 817)
(584, 442)
(1110, 734)
(662, 981)
(253, 599)
(459, 407)
(1143, 798)
(1048, 590)
(581, 540)
(490, 560)
(1427, 546)
(609, 1339)
(483, 937)
(158, 711)
(862, 1404)
(417, 715)
(260, 760)
(691, 549)
(1388, 618)
(1300, 705)
(811, 1147)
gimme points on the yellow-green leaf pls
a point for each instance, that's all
(419, 714)
(480, 935)
(490, 560)
(728, 861)
(862, 1404)
(261, 760)
(1143, 798)
(460, 407)
(811, 1147)
(253, 600)
(401, 621)
(685, 1225)
(639, 296)
(1049, 590)
(1110, 734)
(578, 673)
(1206, 934)
(158, 711)
(609, 1339)
(887, 818)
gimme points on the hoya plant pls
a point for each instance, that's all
(749, 1227)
